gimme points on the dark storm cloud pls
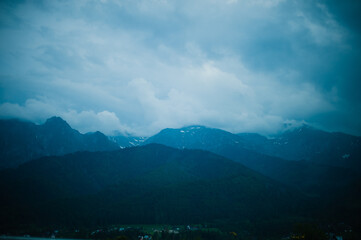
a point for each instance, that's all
(140, 66)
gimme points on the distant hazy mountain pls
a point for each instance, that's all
(309, 144)
(244, 149)
(124, 141)
(148, 184)
(21, 141)
(199, 137)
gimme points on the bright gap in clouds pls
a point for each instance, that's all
(140, 66)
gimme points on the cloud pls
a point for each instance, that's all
(85, 121)
(324, 31)
(33, 110)
(104, 121)
(140, 66)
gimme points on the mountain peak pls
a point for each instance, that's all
(57, 123)
(184, 129)
(55, 120)
(194, 127)
(96, 135)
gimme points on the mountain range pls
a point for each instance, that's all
(247, 149)
(308, 159)
(52, 175)
(309, 144)
(22, 141)
(302, 143)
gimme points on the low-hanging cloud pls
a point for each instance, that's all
(84, 121)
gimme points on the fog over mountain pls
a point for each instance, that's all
(141, 66)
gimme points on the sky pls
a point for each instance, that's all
(136, 67)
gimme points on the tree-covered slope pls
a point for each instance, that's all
(149, 184)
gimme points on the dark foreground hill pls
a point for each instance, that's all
(149, 184)
(22, 141)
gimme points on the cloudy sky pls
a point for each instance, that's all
(141, 66)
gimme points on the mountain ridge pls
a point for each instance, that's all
(21, 141)
(308, 176)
